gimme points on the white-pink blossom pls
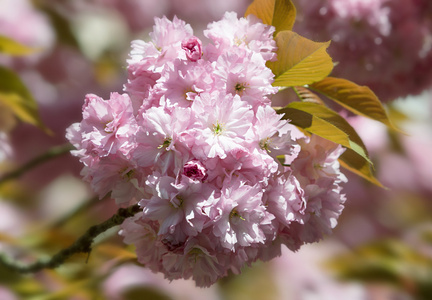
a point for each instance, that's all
(184, 81)
(244, 73)
(240, 216)
(249, 33)
(108, 126)
(227, 128)
(218, 174)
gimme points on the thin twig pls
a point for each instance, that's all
(51, 153)
(82, 245)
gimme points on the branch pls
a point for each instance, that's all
(51, 153)
(82, 245)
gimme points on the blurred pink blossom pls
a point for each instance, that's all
(7, 294)
(128, 277)
(384, 44)
(5, 147)
(20, 21)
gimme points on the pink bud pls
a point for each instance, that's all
(193, 48)
(195, 170)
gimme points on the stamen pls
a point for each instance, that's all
(165, 143)
(240, 88)
(264, 144)
(234, 213)
(218, 128)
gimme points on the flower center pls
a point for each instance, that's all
(165, 143)
(264, 144)
(318, 166)
(240, 88)
(218, 128)
(238, 41)
(190, 94)
(195, 253)
(234, 214)
(127, 173)
(177, 202)
(110, 127)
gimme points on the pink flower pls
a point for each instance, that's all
(239, 216)
(198, 260)
(183, 82)
(139, 85)
(273, 133)
(167, 33)
(108, 125)
(318, 159)
(324, 204)
(143, 234)
(161, 142)
(248, 33)
(241, 164)
(177, 207)
(225, 129)
(244, 73)
(284, 198)
(164, 47)
(317, 170)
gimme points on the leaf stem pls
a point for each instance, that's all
(82, 245)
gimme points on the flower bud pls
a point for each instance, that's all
(193, 48)
(195, 170)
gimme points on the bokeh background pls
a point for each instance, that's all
(382, 246)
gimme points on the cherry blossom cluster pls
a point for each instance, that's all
(392, 36)
(221, 178)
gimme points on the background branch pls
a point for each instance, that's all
(82, 245)
(51, 153)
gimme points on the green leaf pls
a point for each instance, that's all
(324, 122)
(284, 15)
(15, 96)
(358, 99)
(10, 47)
(351, 161)
(306, 95)
(279, 13)
(300, 61)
